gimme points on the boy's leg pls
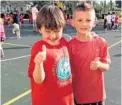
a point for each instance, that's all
(117, 27)
(108, 27)
(18, 33)
(1, 50)
(34, 25)
(13, 30)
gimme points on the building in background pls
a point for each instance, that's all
(14, 6)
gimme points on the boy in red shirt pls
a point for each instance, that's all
(89, 58)
(49, 68)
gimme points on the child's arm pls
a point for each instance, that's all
(99, 65)
(39, 74)
(103, 66)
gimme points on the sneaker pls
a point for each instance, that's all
(13, 32)
(19, 37)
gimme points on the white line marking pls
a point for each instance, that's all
(14, 58)
(70, 34)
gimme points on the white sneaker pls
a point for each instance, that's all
(19, 37)
(13, 32)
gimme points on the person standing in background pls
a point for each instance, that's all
(116, 26)
(105, 23)
(34, 16)
(108, 21)
(16, 26)
(2, 37)
(113, 20)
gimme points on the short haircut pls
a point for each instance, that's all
(51, 17)
(84, 6)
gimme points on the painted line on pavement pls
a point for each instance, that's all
(114, 44)
(13, 44)
(14, 58)
(17, 98)
(28, 91)
(21, 45)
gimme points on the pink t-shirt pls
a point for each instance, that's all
(88, 85)
(116, 19)
(2, 32)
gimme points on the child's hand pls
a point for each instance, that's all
(41, 56)
(95, 64)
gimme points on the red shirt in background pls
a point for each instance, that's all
(56, 89)
(116, 19)
(88, 85)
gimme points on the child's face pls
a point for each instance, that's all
(83, 21)
(51, 36)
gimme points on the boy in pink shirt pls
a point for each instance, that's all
(89, 58)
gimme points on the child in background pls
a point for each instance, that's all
(105, 22)
(116, 23)
(16, 29)
(89, 58)
(49, 67)
(22, 18)
(30, 18)
(2, 37)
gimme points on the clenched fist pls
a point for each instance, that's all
(41, 56)
(95, 64)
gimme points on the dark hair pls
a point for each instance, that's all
(51, 17)
(108, 13)
(84, 6)
(34, 4)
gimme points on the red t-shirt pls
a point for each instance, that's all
(88, 85)
(116, 19)
(56, 89)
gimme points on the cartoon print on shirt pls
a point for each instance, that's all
(63, 69)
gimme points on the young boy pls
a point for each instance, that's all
(49, 68)
(16, 27)
(89, 58)
(16, 30)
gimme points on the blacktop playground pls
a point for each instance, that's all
(15, 86)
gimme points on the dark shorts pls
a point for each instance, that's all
(97, 103)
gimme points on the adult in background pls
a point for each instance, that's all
(108, 21)
(113, 20)
(34, 15)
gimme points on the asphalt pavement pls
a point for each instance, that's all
(15, 83)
